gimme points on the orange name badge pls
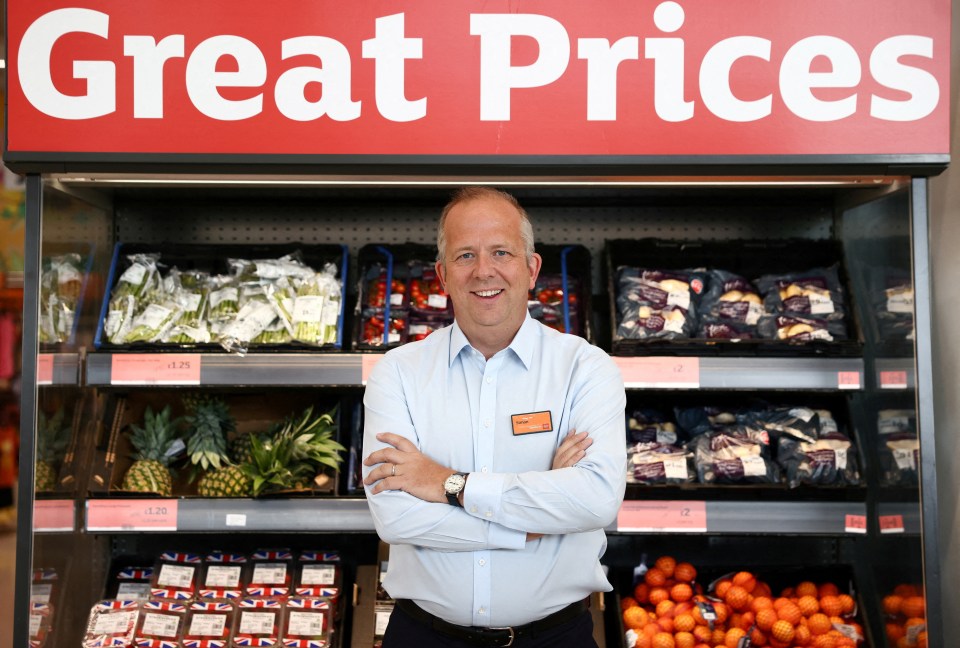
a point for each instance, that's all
(531, 423)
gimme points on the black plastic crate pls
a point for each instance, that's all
(566, 267)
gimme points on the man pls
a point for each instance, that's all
(495, 453)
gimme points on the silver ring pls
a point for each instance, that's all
(393, 471)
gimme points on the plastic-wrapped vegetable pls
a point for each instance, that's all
(656, 304)
(899, 451)
(658, 463)
(730, 309)
(734, 457)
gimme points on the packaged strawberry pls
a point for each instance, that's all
(271, 573)
(40, 624)
(423, 325)
(132, 583)
(223, 575)
(372, 325)
(307, 623)
(176, 576)
(44, 586)
(209, 624)
(427, 295)
(111, 624)
(376, 293)
(258, 623)
(160, 624)
(318, 574)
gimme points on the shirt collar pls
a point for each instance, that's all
(522, 345)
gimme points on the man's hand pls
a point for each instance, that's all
(403, 467)
(572, 449)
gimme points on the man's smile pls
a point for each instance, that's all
(488, 293)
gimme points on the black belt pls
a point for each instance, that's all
(492, 637)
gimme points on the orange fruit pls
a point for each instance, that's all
(655, 577)
(663, 640)
(760, 602)
(722, 587)
(766, 618)
(757, 638)
(722, 611)
(824, 641)
(684, 607)
(847, 604)
(658, 594)
(635, 618)
(807, 588)
(762, 589)
(783, 631)
(803, 636)
(891, 604)
(827, 589)
(733, 637)
(904, 590)
(773, 643)
(831, 605)
(819, 623)
(665, 623)
(808, 605)
(684, 640)
(746, 580)
(642, 593)
(628, 602)
(737, 597)
(703, 634)
(719, 637)
(643, 641)
(922, 639)
(681, 592)
(780, 601)
(684, 623)
(665, 608)
(666, 564)
(685, 572)
(894, 632)
(790, 613)
(913, 606)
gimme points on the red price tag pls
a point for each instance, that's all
(663, 516)
(855, 524)
(53, 515)
(132, 515)
(367, 362)
(891, 524)
(660, 372)
(893, 380)
(155, 369)
(45, 369)
(848, 380)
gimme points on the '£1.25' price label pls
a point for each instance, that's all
(155, 369)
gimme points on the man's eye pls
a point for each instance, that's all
(465, 256)
(501, 253)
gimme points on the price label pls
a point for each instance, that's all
(45, 369)
(132, 515)
(855, 523)
(893, 380)
(665, 516)
(155, 369)
(848, 380)
(668, 373)
(891, 524)
(53, 515)
(367, 362)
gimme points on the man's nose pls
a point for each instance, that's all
(483, 267)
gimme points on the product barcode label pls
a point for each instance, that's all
(208, 625)
(257, 622)
(114, 622)
(160, 625)
(318, 574)
(269, 573)
(175, 576)
(223, 576)
(305, 623)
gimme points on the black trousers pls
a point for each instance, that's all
(405, 632)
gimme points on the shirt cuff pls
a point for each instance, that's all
(481, 499)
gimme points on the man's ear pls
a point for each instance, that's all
(534, 265)
(441, 274)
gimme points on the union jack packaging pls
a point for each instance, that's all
(111, 624)
(258, 623)
(160, 624)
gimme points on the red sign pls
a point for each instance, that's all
(155, 369)
(665, 516)
(479, 78)
(53, 515)
(132, 515)
(656, 372)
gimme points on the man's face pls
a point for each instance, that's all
(485, 270)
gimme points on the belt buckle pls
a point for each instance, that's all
(510, 639)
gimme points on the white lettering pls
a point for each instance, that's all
(333, 77)
(34, 66)
(667, 55)
(797, 81)
(203, 79)
(497, 76)
(886, 68)
(715, 87)
(390, 49)
(148, 59)
(602, 63)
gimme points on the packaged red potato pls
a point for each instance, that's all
(307, 623)
(44, 587)
(176, 576)
(730, 309)
(132, 583)
(111, 624)
(209, 624)
(891, 299)
(160, 624)
(271, 573)
(223, 575)
(799, 329)
(427, 295)
(658, 463)
(814, 293)
(318, 575)
(258, 623)
(899, 448)
(734, 456)
(657, 304)
(40, 624)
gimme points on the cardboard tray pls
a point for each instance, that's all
(748, 258)
(213, 259)
(253, 413)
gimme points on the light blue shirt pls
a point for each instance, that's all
(473, 566)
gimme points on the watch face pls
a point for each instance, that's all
(454, 484)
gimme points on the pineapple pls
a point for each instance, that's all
(52, 440)
(229, 481)
(156, 444)
(209, 423)
(238, 448)
(272, 467)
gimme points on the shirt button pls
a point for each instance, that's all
(489, 380)
(489, 514)
(486, 423)
(473, 509)
(481, 562)
(481, 611)
(484, 469)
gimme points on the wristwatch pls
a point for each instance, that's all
(453, 486)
